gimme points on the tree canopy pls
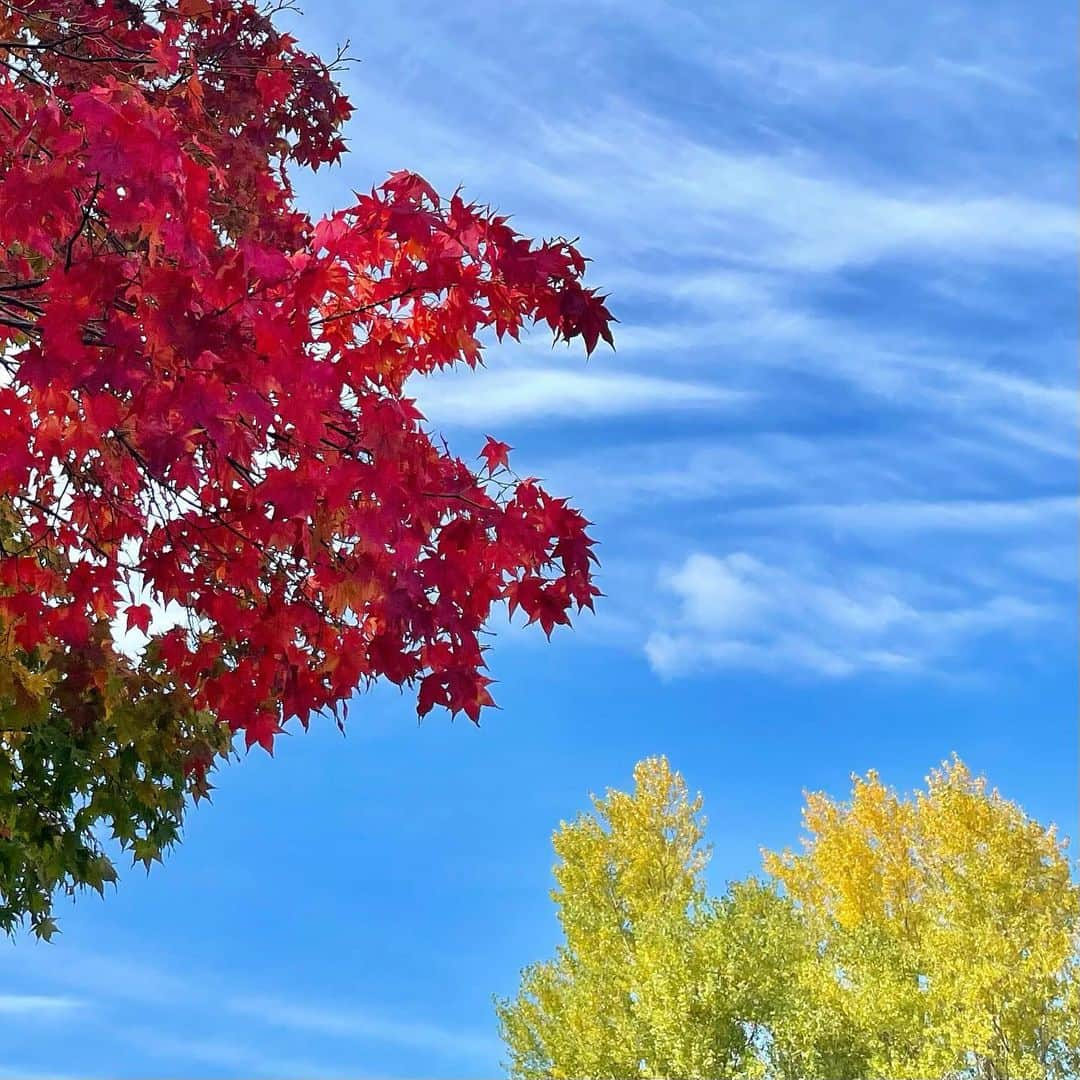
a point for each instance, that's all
(926, 935)
(207, 435)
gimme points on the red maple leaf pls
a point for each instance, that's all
(496, 454)
(137, 616)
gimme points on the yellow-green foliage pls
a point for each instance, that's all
(628, 990)
(952, 916)
(933, 935)
(92, 747)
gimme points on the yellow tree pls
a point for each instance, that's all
(950, 919)
(626, 994)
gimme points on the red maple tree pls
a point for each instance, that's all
(203, 407)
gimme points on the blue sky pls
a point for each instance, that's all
(832, 467)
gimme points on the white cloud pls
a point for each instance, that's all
(363, 1026)
(17, 1072)
(634, 476)
(857, 483)
(825, 52)
(634, 182)
(527, 394)
(788, 212)
(116, 982)
(36, 1005)
(907, 516)
(717, 240)
(787, 74)
(737, 611)
(1056, 563)
(249, 1058)
(752, 329)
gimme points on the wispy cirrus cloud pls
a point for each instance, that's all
(526, 395)
(754, 478)
(19, 1072)
(719, 237)
(899, 518)
(31, 1012)
(38, 1006)
(238, 1029)
(782, 211)
(246, 1057)
(364, 1027)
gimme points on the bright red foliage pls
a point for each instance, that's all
(203, 401)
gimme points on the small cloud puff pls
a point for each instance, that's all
(736, 611)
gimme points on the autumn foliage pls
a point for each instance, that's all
(935, 934)
(207, 435)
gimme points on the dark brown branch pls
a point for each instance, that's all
(87, 211)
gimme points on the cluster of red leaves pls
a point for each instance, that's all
(203, 405)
